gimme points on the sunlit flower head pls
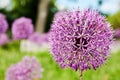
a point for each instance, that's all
(80, 39)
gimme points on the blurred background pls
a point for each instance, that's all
(42, 12)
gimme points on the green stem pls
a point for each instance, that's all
(81, 75)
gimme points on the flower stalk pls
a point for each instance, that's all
(81, 75)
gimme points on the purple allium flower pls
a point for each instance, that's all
(3, 38)
(22, 28)
(80, 39)
(39, 38)
(117, 33)
(35, 37)
(3, 23)
(28, 69)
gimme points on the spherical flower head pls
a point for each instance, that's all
(22, 28)
(35, 37)
(3, 39)
(80, 39)
(39, 38)
(27, 69)
(3, 23)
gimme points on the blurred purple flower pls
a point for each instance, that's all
(117, 33)
(3, 23)
(22, 28)
(39, 38)
(28, 69)
(3, 38)
(80, 39)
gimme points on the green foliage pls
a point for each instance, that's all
(52, 9)
(52, 71)
(115, 20)
(27, 8)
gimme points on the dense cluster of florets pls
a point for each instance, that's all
(80, 39)
(27, 69)
(22, 28)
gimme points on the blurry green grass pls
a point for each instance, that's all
(109, 71)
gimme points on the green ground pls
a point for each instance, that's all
(109, 71)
